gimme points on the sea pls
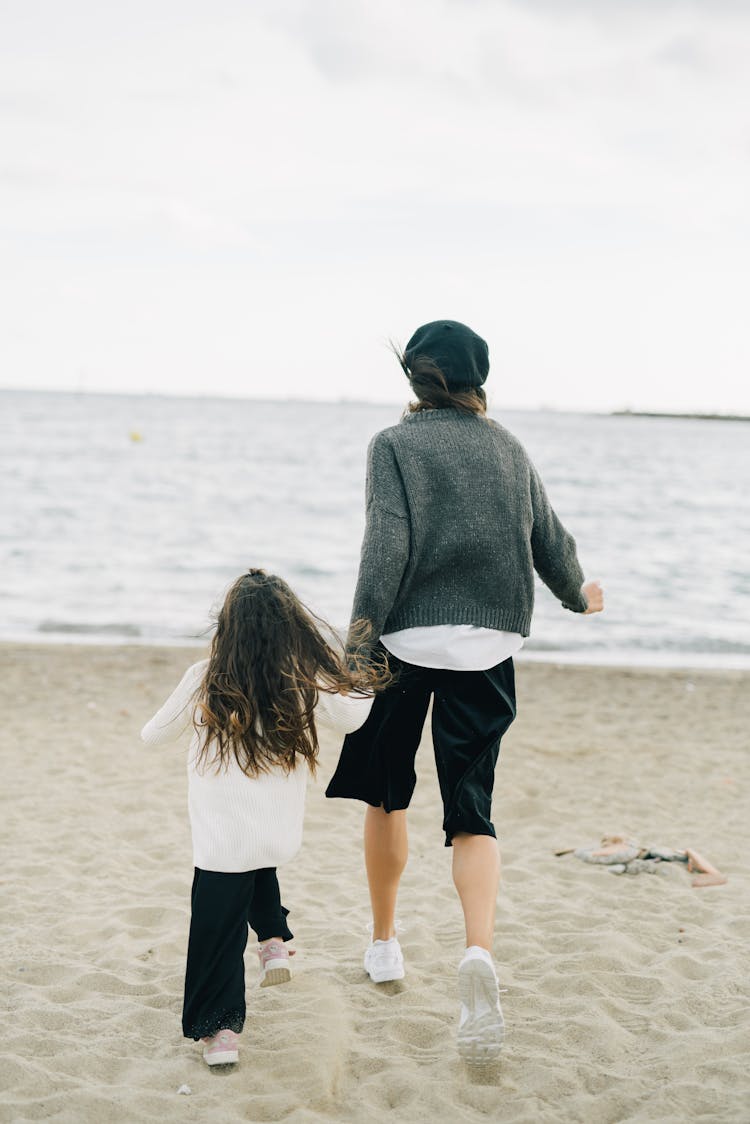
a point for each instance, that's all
(125, 518)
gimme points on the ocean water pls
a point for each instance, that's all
(124, 518)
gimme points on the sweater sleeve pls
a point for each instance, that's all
(554, 550)
(174, 718)
(342, 714)
(386, 542)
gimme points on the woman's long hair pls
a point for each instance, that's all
(269, 659)
(431, 388)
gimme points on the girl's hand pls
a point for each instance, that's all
(594, 595)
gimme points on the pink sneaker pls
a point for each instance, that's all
(274, 963)
(222, 1049)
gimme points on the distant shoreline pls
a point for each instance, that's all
(690, 417)
(622, 659)
(494, 409)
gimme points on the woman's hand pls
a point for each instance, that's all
(594, 595)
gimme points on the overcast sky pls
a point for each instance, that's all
(252, 196)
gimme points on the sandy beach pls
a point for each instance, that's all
(626, 997)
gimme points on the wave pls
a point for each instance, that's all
(693, 646)
(73, 628)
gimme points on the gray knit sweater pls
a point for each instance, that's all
(457, 522)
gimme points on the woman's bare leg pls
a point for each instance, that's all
(386, 852)
(476, 874)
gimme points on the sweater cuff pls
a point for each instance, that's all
(578, 605)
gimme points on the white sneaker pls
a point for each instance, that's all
(384, 961)
(480, 1026)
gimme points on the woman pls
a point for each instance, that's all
(457, 522)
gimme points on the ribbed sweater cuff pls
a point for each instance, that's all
(504, 620)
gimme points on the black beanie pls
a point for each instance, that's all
(461, 354)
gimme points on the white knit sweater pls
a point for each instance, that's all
(238, 822)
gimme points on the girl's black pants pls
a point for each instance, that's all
(222, 907)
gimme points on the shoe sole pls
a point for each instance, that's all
(276, 975)
(223, 1057)
(385, 975)
(480, 1038)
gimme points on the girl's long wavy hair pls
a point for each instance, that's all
(269, 660)
(431, 388)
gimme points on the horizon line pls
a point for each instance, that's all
(345, 400)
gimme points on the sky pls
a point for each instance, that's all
(252, 197)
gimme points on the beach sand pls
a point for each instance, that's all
(627, 997)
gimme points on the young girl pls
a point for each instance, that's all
(253, 707)
(457, 522)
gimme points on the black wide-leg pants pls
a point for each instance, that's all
(222, 907)
(471, 712)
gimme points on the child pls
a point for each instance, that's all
(252, 706)
(457, 522)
